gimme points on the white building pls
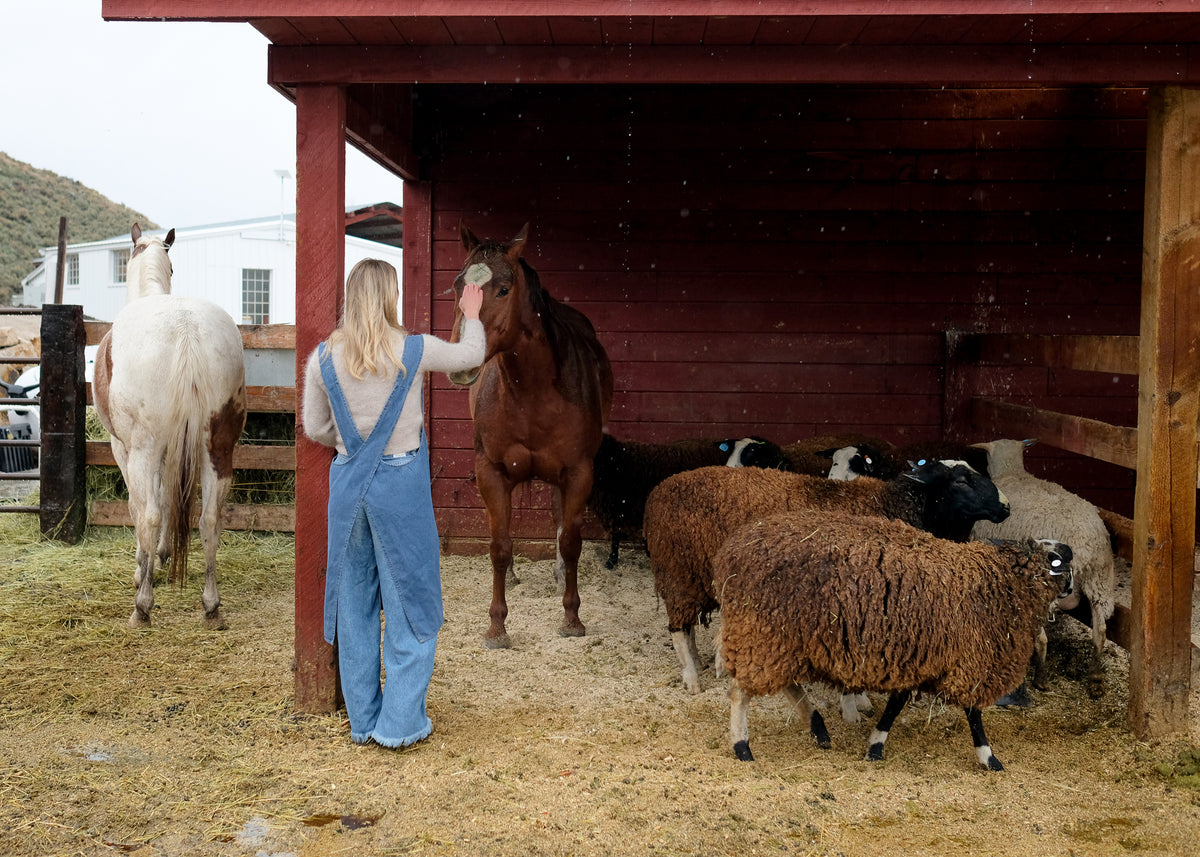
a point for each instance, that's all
(248, 267)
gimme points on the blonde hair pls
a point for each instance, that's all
(368, 319)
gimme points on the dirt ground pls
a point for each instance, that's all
(180, 741)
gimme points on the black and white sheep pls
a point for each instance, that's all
(689, 516)
(812, 455)
(1043, 509)
(624, 473)
(854, 460)
(855, 601)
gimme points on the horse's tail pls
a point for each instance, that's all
(183, 454)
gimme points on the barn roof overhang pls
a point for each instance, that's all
(380, 51)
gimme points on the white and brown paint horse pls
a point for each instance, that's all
(170, 388)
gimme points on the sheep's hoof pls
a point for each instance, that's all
(215, 621)
(139, 620)
(875, 753)
(1095, 687)
(610, 563)
(993, 764)
(572, 629)
(499, 641)
(742, 750)
(816, 725)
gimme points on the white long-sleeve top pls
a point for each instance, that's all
(368, 396)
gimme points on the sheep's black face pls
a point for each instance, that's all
(753, 452)
(1058, 560)
(958, 496)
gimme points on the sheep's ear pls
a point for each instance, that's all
(1029, 441)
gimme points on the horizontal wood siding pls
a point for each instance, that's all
(785, 261)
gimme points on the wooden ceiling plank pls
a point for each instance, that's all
(473, 31)
(373, 31)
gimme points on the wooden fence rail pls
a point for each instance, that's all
(968, 415)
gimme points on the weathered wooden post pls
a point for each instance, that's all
(1168, 405)
(63, 404)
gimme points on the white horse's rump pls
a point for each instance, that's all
(170, 388)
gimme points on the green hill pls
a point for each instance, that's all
(32, 201)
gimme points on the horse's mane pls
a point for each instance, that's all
(147, 266)
(573, 342)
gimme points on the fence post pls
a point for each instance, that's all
(63, 403)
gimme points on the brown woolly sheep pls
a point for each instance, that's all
(861, 602)
(688, 517)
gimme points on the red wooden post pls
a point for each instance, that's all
(320, 264)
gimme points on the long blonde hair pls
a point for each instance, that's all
(368, 319)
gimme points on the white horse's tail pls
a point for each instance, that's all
(183, 454)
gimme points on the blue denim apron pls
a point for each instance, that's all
(396, 497)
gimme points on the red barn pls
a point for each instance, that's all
(918, 218)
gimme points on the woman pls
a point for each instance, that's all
(363, 399)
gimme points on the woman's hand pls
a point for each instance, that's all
(471, 300)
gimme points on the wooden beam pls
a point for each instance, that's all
(993, 65)
(1168, 407)
(320, 264)
(248, 10)
(379, 124)
(272, 519)
(1095, 439)
(1115, 354)
(245, 456)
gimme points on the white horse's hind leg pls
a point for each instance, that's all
(148, 524)
(214, 489)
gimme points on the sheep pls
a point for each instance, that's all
(811, 455)
(1043, 509)
(856, 601)
(624, 472)
(689, 515)
(852, 461)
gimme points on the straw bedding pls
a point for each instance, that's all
(181, 741)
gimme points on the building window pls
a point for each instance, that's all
(120, 262)
(73, 269)
(256, 296)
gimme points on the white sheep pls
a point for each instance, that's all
(862, 602)
(1043, 509)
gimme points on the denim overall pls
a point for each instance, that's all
(383, 552)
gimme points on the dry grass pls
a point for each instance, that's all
(180, 741)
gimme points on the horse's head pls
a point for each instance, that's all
(497, 268)
(148, 271)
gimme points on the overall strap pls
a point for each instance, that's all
(337, 400)
(414, 347)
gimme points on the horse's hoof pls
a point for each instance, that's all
(500, 641)
(572, 629)
(138, 619)
(215, 621)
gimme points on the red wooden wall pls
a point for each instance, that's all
(785, 261)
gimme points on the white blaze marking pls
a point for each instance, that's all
(478, 274)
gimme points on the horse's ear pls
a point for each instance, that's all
(517, 245)
(469, 241)
(170, 239)
(135, 233)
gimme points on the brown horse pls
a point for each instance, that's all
(539, 403)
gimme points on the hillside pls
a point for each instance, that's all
(32, 201)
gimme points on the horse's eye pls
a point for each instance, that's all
(503, 291)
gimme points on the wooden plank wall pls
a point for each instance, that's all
(784, 261)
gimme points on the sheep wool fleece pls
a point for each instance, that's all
(383, 552)
(878, 604)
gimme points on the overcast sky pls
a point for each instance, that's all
(175, 120)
